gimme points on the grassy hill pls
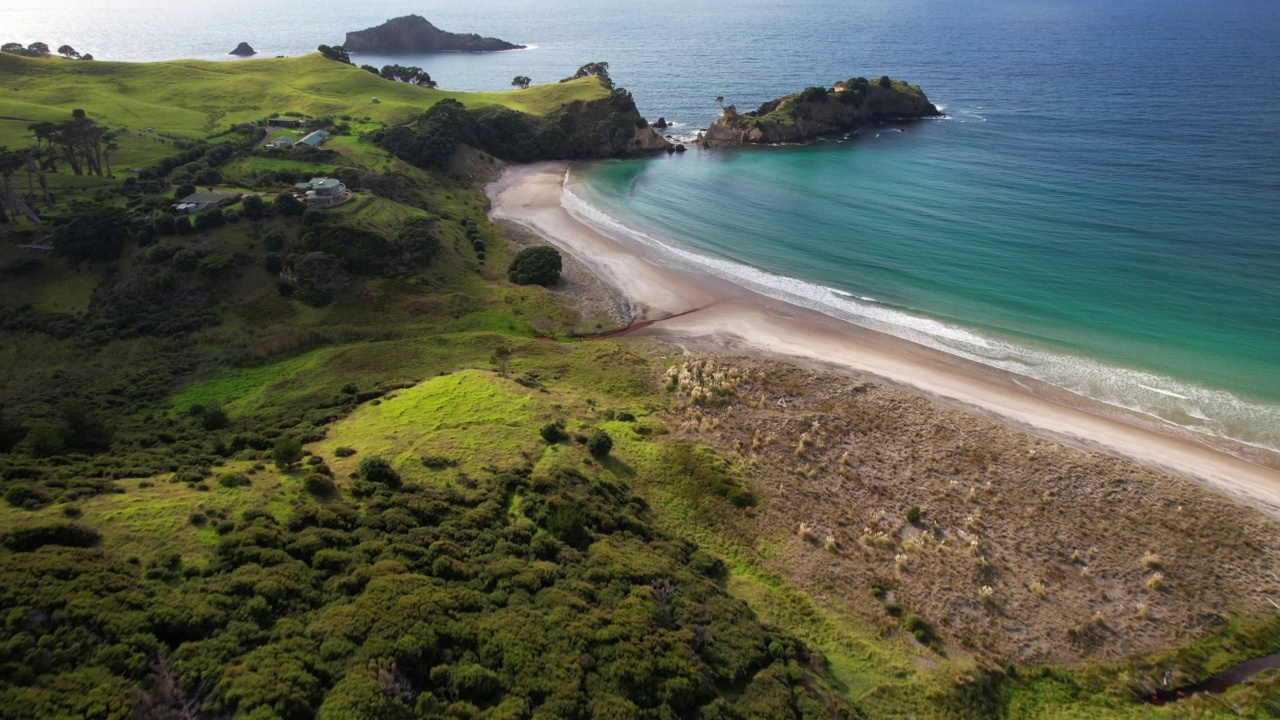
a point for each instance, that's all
(193, 98)
(381, 500)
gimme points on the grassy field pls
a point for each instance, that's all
(193, 98)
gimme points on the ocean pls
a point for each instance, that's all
(1099, 209)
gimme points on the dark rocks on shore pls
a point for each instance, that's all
(413, 34)
(661, 124)
(243, 50)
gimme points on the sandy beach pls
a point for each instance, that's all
(707, 313)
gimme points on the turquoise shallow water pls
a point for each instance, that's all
(1099, 210)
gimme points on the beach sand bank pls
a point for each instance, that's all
(706, 313)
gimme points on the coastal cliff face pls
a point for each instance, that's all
(818, 112)
(414, 34)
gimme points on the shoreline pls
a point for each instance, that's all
(696, 310)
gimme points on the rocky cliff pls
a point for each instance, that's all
(413, 34)
(819, 112)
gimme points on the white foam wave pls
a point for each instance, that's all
(1217, 412)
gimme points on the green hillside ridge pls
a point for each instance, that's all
(333, 464)
(193, 98)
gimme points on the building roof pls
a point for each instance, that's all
(282, 140)
(205, 198)
(315, 138)
(324, 183)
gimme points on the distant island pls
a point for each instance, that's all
(818, 112)
(244, 49)
(414, 34)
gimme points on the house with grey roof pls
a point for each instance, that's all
(284, 142)
(315, 139)
(322, 191)
(195, 202)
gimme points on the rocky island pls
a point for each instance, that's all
(414, 34)
(243, 50)
(818, 112)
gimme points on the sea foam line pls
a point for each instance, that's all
(1206, 410)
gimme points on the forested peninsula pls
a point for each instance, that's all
(819, 112)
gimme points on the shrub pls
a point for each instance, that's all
(624, 416)
(376, 469)
(312, 217)
(552, 433)
(885, 82)
(253, 206)
(538, 265)
(158, 253)
(233, 480)
(185, 261)
(273, 241)
(438, 462)
(319, 485)
(287, 453)
(63, 534)
(813, 93)
(913, 514)
(272, 263)
(344, 452)
(214, 418)
(599, 443)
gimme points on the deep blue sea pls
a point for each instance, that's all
(1100, 209)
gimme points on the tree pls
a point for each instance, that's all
(38, 48)
(539, 265)
(183, 190)
(418, 240)
(68, 52)
(885, 82)
(521, 81)
(86, 56)
(12, 47)
(410, 75)
(286, 453)
(597, 69)
(312, 217)
(96, 234)
(369, 68)
(599, 443)
(337, 52)
(501, 355)
(11, 162)
(254, 207)
(720, 101)
(286, 204)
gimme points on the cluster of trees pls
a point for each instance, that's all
(596, 129)
(597, 69)
(521, 81)
(82, 144)
(39, 49)
(337, 53)
(402, 73)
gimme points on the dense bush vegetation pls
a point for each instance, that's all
(418, 602)
(538, 265)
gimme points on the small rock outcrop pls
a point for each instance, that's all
(243, 50)
(818, 112)
(661, 124)
(413, 34)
